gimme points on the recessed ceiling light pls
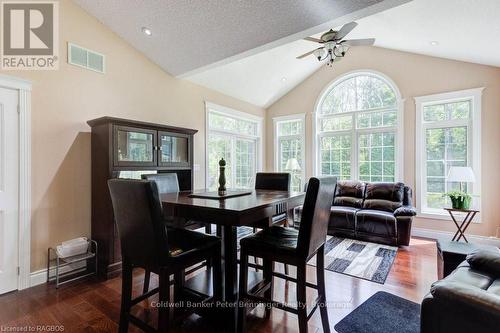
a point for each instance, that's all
(434, 43)
(283, 79)
(147, 31)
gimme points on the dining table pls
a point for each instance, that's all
(253, 209)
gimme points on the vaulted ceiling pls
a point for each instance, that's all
(247, 49)
(189, 36)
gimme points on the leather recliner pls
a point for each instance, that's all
(467, 300)
(375, 212)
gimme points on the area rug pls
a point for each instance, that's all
(382, 313)
(364, 260)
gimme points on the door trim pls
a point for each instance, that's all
(24, 243)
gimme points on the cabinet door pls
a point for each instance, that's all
(134, 146)
(174, 149)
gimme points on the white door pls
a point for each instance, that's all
(9, 189)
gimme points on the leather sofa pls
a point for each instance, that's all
(467, 300)
(374, 212)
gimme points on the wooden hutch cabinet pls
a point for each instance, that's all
(124, 148)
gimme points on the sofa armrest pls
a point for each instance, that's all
(405, 211)
(476, 302)
(485, 260)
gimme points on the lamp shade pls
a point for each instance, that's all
(293, 165)
(461, 174)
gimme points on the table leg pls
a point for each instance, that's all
(467, 221)
(230, 267)
(459, 227)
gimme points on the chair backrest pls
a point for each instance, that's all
(138, 217)
(349, 193)
(384, 196)
(166, 182)
(315, 215)
(277, 181)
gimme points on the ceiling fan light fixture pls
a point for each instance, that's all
(319, 53)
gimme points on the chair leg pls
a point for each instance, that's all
(164, 298)
(208, 228)
(268, 277)
(147, 277)
(320, 278)
(179, 279)
(301, 298)
(126, 297)
(243, 290)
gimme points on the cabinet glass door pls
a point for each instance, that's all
(174, 149)
(134, 146)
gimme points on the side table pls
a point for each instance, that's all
(469, 215)
(452, 253)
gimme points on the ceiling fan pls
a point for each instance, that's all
(333, 47)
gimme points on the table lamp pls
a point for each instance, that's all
(462, 175)
(292, 165)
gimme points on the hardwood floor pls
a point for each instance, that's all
(93, 306)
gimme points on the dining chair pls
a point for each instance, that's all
(293, 247)
(146, 242)
(169, 183)
(275, 181)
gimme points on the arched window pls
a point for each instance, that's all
(357, 129)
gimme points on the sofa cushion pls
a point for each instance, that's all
(376, 222)
(349, 193)
(384, 196)
(342, 217)
(485, 260)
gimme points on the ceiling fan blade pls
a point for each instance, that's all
(347, 28)
(308, 53)
(312, 39)
(359, 42)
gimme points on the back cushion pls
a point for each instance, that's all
(349, 193)
(384, 196)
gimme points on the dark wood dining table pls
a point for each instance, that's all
(253, 210)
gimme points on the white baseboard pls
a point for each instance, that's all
(40, 276)
(447, 235)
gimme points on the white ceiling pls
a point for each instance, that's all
(196, 34)
(466, 30)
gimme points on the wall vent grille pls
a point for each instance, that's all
(88, 59)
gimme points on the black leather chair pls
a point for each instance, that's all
(146, 242)
(293, 247)
(467, 300)
(168, 183)
(275, 181)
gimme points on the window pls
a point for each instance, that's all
(447, 134)
(289, 142)
(357, 129)
(234, 136)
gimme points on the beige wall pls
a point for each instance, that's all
(62, 102)
(415, 75)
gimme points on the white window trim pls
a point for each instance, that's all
(224, 110)
(399, 153)
(473, 141)
(302, 136)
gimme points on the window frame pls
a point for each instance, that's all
(473, 124)
(302, 136)
(232, 113)
(354, 131)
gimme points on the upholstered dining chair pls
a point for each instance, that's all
(293, 247)
(146, 242)
(168, 183)
(275, 181)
